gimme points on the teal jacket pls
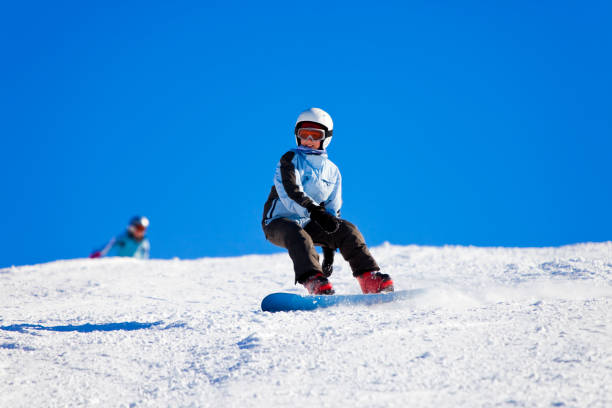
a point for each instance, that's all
(126, 245)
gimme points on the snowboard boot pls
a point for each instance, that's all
(375, 282)
(318, 285)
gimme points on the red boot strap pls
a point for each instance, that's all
(324, 288)
(386, 283)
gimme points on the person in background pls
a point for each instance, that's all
(303, 210)
(132, 242)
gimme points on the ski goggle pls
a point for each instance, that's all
(313, 134)
(139, 228)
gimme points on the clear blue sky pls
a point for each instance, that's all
(472, 123)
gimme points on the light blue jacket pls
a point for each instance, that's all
(303, 176)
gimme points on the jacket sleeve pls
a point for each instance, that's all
(110, 248)
(334, 201)
(289, 186)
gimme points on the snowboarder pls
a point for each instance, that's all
(132, 242)
(303, 210)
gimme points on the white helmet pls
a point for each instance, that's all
(319, 116)
(138, 223)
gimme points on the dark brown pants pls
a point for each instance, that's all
(300, 242)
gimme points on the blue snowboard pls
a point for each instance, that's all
(288, 302)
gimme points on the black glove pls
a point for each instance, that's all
(328, 261)
(328, 222)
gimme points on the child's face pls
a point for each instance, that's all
(313, 144)
(310, 143)
(137, 232)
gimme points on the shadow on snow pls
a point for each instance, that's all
(83, 328)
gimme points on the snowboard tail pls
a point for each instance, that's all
(288, 302)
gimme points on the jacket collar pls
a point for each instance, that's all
(308, 150)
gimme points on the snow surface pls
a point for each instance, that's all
(495, 327)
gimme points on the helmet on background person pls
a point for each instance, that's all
(138, 224)
(318, 116)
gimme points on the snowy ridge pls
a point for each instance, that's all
(496, 327)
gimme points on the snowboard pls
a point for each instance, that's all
(288, 302)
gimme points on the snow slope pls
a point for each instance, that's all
(495, 327)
